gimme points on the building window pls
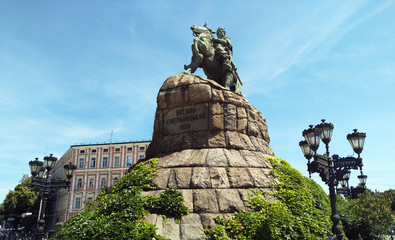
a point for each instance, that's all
(117, 149)
(93, 150)
(81, 163)
(142, 148)
(91, 182)
(141, 157)
(79, 183)
(105, 162)
(105, 150)
(116, 161)
(129, 161)
(93, 162)
(129, 149)
(77, 204)
(103, 182)
(115, 180)
(82, 151)
(89, 199)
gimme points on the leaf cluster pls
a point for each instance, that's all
(119, 212)
(24, 198)
(368, 216)
(300, 211)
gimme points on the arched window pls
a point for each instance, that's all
(91, 182)
(79, 182)
(103, 182)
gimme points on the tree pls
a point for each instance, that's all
(369, 215)
(24, 198)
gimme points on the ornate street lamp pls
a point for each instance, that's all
(357, 140)
(70, 170)
(35, 166)
(335, 169)
(362, 180)
(41, 181)
(312, 136)
(49, 162)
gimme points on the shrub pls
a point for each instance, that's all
(119, 212)
(301, 211)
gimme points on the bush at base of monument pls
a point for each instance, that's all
(119, 212)
(301, 211)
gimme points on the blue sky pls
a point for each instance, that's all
(72, 72)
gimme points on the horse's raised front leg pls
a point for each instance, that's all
(197, 57)
(195, 49)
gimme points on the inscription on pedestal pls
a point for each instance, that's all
(186, 119)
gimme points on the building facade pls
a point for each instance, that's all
(98, 166)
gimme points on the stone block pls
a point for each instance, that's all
(199, 93)
(205, 201)
(197, 158)
(260, 179)
(166, 144)
(229, 109)
(175, 159)
(181, 141)
(256, 144)
(240, 178)
(170, 230)
(253, 159)
(234, 158)
(200, 139)
(200, 178)
(191, 228)
(233, 98)
(245, 195)
(233, 140)
(180, 178)
(230, 123)
(188, 198)
(176, 98)
(252, 128)
(161, 178)
(216, 108)
(216, 123)
(217, 95)
(241, 113)
(242, 125)
(229, 200)
(245, 140)
(216, 139)
(252, 115)
(216, 157)
(151, 218)
(219, 178)
(161, 100)
(208, 220)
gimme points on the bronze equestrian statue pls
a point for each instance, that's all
(214, 55)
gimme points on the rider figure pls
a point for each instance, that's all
(223, 46)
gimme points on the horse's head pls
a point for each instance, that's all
(198, 30)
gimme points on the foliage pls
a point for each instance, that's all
(24, 198)
(369, 215)
(118, 213)
(301, 211)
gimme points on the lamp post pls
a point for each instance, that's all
(331, 170)
(41, 180)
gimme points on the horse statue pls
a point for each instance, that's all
(214, 55)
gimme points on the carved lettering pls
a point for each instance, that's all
(186, 119)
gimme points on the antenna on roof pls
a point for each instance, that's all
(112, 134)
